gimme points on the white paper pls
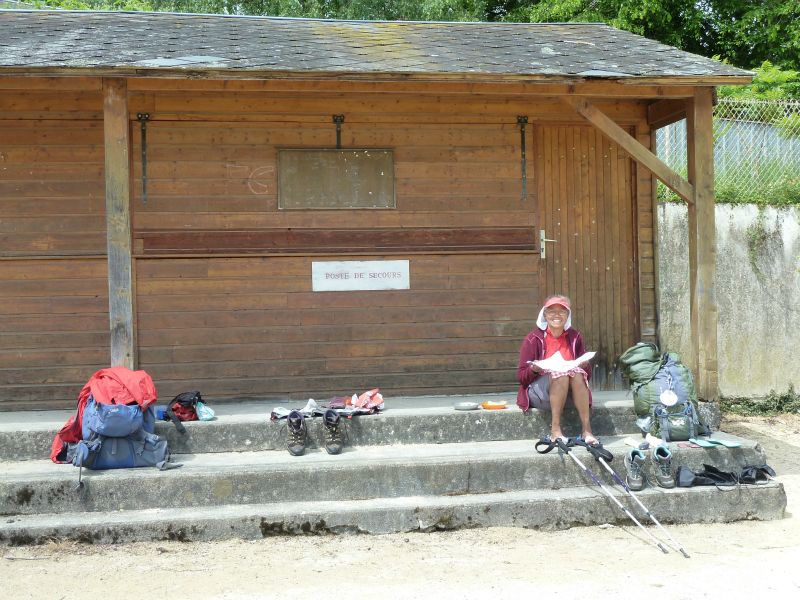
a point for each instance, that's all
(557, 363)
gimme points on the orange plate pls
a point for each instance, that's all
(491, 405)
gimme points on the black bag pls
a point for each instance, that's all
(756, 475)
(183, 407)
(711, 475)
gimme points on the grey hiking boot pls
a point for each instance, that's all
(662, 465)
(334, 440)
(634, 462)
(296, 433)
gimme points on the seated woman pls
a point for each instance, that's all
(551, 391)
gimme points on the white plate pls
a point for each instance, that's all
(466, 405)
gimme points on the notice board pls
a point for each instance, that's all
(335, 179)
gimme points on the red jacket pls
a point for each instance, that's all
(533, 349)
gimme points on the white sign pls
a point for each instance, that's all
(338, 276)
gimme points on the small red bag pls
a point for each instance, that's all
(183, 407)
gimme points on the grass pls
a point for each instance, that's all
(773, 404)
(780, 191)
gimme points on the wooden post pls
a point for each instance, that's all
(702, 244)
(118, 222)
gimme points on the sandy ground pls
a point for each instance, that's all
(738, 560)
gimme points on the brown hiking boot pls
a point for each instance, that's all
(334, 440)
(296, 433)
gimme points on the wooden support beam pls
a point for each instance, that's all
(118, 222)
(665, 112)
(702, 244)
(632, 146)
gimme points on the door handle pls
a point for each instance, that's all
(542, 247)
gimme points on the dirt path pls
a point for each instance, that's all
(738, 560)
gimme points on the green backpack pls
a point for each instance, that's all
(641, 362)
(652, 373)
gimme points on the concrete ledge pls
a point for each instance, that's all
(538, 509)
(31, 487)
(422, 420)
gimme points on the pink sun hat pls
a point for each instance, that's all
(558, 300)
(541, 322)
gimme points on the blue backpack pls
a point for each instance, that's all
(118, 436)
(678, 422)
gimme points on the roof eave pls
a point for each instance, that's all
(387, 76)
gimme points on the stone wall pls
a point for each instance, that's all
(758, 294)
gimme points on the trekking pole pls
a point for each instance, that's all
(600, 455)
(565, 448)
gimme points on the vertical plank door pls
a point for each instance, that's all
(586, 191)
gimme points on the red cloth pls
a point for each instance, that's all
(553, 344)
(119, 385)
(115, 385)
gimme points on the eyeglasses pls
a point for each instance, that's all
(556, 311)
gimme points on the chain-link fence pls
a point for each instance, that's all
(756, 151)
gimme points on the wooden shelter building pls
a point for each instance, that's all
(267, 207)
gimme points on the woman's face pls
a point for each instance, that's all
(556, 316)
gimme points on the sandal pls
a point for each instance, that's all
(592, 441)
(702, 443)
(726, 443)
(597, 450)
(546, 444)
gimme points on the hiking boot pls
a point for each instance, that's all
(662, 465)
(334, 440)
(296, 433)
(634, 462)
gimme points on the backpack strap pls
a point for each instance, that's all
(662, 416)
(174, 418)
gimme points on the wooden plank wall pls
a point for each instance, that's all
(53, 284)
(251, 326)
(247, 324)
(587, 189)
(53, 329)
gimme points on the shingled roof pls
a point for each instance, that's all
(182, 45)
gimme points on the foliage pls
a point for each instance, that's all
(770, 83)
(129, 5)
(769, 189)
(789, 126)
(670, 21)
(410, 10)
(749, 32)
(742, 32)
(773, 404)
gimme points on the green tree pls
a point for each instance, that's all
(749, 32)
(743, 32)
(770, 83)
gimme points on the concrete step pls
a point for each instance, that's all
(538, 509)
(359, 473)
(419, 420)
(418, 466)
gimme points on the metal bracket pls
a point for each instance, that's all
(522, 120)
(143, 118)
(338, 119)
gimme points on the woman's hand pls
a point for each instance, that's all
(535, 368)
